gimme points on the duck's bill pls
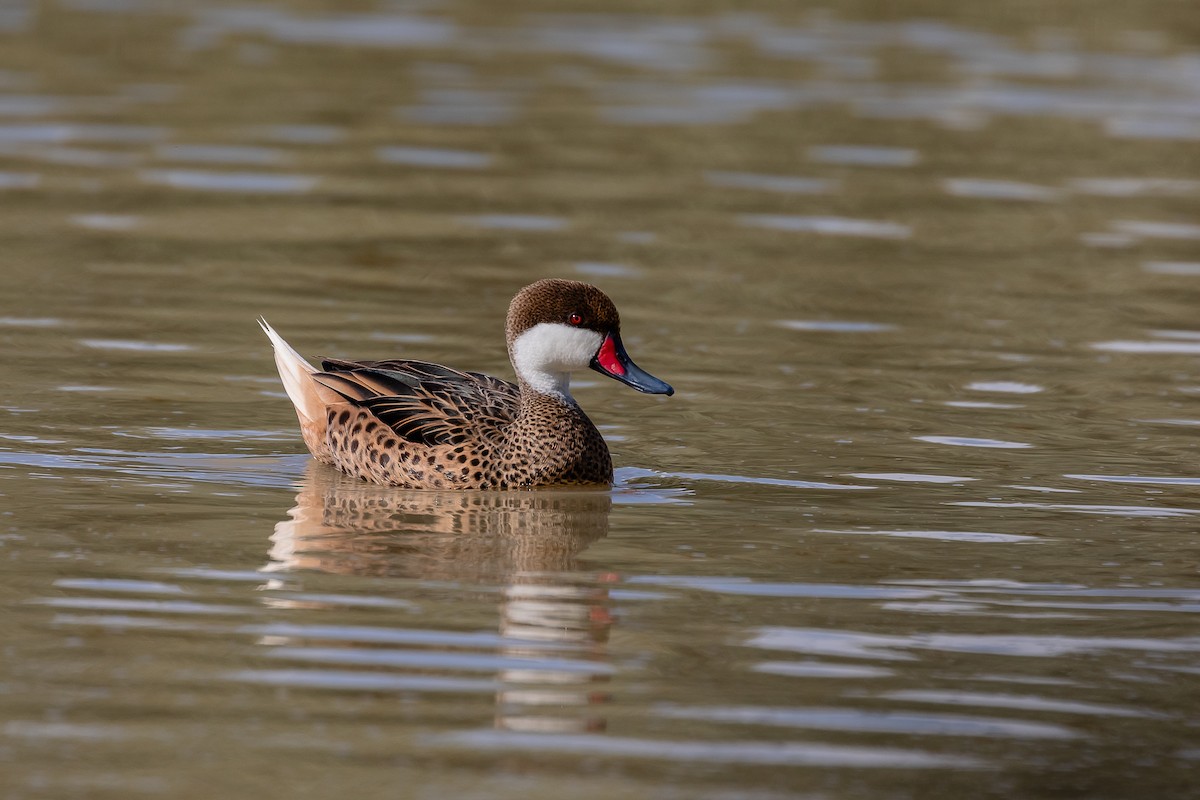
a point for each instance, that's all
(612, 360)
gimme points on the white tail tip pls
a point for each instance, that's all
(294, 371)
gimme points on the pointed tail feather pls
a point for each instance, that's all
(295, 372)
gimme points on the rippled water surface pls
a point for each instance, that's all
(921, 520)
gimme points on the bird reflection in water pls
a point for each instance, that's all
(552, 616)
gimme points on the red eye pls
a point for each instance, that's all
(574, 319)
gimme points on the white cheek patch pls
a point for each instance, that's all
(545, 355)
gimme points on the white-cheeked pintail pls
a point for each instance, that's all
(424, 426)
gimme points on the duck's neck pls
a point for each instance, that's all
(558, 419)
(553, 385)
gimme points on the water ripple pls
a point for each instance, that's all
(517, 222)
(106, 222)
(32, 729)
(832, 226)
(433, 157)
(864, 156)
(822, 669)
(250, 182)
(1015, 702)
(941, 536)
(967, 441)
(782, 184)
(230, 468)
(57, 133)
(1157, 230)
(1138, 479)
(380, 635)
(603, 269)
(1074, 508)
(139, 346)
(835, 326)
(902, 722)
(119, 585)
(758, 481)
(999, 190)
(1170, 348)
(980, 404)
(360, 30)
(146, 606)
(360, 681)
(1006, 387)
(745, 586)
(1133, 187)
(19, 180)
(910, 477)
(221, 154)
(736, 752)
(883, 647)
(30, 322)
(478, 662)
(1188, 268)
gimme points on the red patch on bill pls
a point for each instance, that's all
(608, 357)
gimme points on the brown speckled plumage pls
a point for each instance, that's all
(426, 426)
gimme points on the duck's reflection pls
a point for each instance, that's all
(526, 542)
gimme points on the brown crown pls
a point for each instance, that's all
(555, 300)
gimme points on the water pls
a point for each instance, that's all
(919, 522)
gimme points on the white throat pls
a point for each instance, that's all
(546, 354)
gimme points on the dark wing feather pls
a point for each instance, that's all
(418, 418)
(418, 370)
(422, 402)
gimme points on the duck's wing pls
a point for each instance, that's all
(422, 402)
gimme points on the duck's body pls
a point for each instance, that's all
(425, 426)
(419, 425)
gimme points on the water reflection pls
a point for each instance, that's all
(553, 621)
(347, 527)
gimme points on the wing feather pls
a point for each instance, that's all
(423, 402)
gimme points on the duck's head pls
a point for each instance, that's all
(556, 326)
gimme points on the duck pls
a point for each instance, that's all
(418, 425)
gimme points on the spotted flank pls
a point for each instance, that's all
(425, 426)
